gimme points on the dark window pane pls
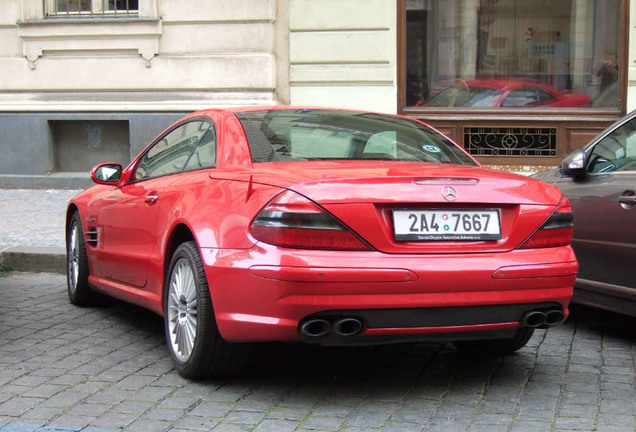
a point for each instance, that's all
(123, 5)
(73, 5)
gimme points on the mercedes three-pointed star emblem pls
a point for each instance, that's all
(449, 193)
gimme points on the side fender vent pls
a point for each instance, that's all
(91, 235)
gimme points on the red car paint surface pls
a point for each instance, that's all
(263, 292)
(514, 93)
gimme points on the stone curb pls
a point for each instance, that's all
(34, 258)
(52, 181)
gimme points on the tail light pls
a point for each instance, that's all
(292, 221)
(556, 230)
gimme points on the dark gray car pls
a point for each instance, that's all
(600, 181)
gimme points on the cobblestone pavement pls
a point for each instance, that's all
(33, 217)
(64, 368)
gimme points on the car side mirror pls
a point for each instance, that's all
(574, 164)
(107, 173)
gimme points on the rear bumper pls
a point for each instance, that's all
(264, 293)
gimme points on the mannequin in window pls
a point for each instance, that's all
(561, 63)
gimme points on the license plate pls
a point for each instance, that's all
(423, 225)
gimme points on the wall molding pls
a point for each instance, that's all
(140, 35)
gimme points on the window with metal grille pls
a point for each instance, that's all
(516, 142)
(91, 8)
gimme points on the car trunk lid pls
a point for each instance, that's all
(372, 196)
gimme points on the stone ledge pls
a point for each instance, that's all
(62, 35)
(52, 181)
(38, 259)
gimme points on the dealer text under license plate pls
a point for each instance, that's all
(422, 225)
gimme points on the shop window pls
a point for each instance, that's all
(90, 8)
(513, 54)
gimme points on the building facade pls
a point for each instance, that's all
(85, 81)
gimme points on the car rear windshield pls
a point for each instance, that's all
(304, 134)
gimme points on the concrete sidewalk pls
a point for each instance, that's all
(32, 228)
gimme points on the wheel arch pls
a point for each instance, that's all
(180, 234)
(70, 211)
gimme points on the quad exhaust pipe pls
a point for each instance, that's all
(315, 328)
(538, 318)
(347, 327)
(318, 327)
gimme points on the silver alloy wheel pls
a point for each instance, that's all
(182, 310)
(73, 257)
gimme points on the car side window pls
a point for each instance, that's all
(615, 152)
(528, 96)
(170, 154)
(204, 155)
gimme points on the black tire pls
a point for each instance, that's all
(79, 293)
(188, 311)
(498, 346)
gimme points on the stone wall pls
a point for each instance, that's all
(343, 53)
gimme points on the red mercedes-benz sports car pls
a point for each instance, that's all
(323, 226)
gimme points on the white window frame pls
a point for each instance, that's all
(96, 11)
(34, 10)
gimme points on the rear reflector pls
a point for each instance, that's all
(292, 221)
(557, 230)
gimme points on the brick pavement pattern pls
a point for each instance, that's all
(33, 217)
(64, 368)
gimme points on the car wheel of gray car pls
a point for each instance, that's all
(196, 346)
(79, 293)
(499, 346)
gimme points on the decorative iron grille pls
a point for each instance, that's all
(516, 142)
(91, 8)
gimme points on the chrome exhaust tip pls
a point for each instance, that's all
(533, 319)
(347, 327)
(554, 317)
(314, 328)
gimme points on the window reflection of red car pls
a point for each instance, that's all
(481, 93)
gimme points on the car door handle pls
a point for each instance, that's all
(151, 199)
(627, 200)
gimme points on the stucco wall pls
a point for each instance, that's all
(27, 141)
(176, 57)
(180, 55)
(343, 53)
